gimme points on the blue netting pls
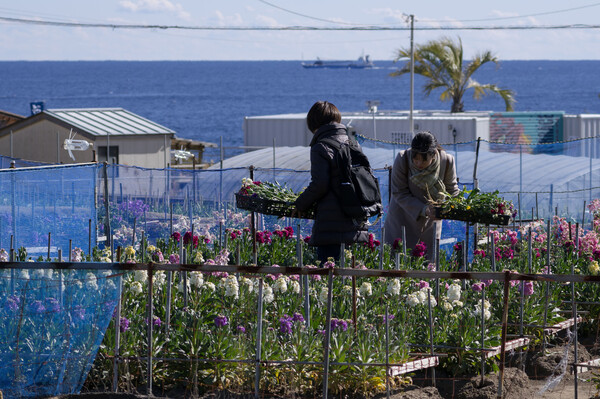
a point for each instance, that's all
(56, 200)
(7, 162)
(51, 326)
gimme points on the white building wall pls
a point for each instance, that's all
(146, 151)
(291, 130)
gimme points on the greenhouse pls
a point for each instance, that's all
(154, 282)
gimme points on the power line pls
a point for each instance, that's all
(433, 20)
(519, 16)
(289, 28)
(308, 16)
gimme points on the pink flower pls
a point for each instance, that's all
(423, 284)
(528, 288)
(477, 287)
(419, 250)
(479, 252)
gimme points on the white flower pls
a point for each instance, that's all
(280, 285)
(246, 282)
(454, 292)
(486, 310)
(366, 289)
(412, 300)
(91, 281)
(3, 255)
(295, 286)
(246, 182)
(209, 286)
(447, 306)
(268, 296)
(196, 279)
(323, 295)
(37, 274)
(231, 287)
(181, 287)
(140, 275)
(460, 304)
(198, 258)
(158, 278)
(136, 287)
(110, 284)
(393, 287)
(421, 297)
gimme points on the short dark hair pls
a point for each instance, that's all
(322, 113)
(425, 144)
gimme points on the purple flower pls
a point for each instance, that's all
(52, 305)
(124, 324)
(322, 332)
(241, 329)
(423, 284)
(285, 324)
(389, 317)
(157, 321)
(221, 321)
(298, 317)
(339, 323)
(37, 307)
(12, 303)
(173, 258)
(79, 312)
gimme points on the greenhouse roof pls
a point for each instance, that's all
(501, 171)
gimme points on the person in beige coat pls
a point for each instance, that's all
(420, 175)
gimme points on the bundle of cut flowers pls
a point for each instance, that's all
(476, 206)
(267, 190)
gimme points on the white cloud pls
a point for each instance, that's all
(390, 15)
(228, 20)
(267, 21)
(155, 6)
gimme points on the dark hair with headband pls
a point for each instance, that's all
(424, 143)
(322, 113)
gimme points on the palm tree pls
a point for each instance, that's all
(441, 61)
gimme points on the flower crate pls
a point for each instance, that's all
(269, 207)
(472, 217)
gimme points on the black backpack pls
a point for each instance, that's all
(356, 187)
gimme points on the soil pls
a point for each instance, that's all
(525, 377)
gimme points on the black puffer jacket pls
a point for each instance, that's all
(331, 225)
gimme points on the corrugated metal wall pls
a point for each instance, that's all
(290, 130)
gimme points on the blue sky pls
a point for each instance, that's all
(40, 42)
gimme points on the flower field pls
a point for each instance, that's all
(276, 328)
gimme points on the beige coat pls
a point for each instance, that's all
(408, 200)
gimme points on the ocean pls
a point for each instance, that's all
(208, 100)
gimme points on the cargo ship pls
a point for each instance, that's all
(361, 63)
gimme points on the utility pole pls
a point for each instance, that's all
(412, 73)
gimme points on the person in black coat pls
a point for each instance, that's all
(331, 227)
